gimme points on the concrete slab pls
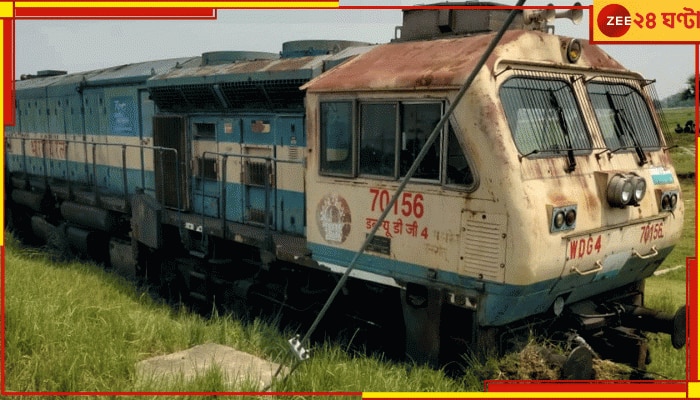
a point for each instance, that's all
(236, 366)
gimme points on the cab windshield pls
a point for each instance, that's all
(544, 117)
(624, 117)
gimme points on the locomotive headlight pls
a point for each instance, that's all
(562, 218)
(573, 51)
(666, 202)
(640, 188)
(559, 219)
(669, 200)
(620, 191)
(570, 217)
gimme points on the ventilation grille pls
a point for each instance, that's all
(280, 94)
(293, 153)
(185, 97)
(255, 173)
(483, 246)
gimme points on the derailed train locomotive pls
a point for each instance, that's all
(547, 199)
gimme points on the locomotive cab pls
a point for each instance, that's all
(548, 191)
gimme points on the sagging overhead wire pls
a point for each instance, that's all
(297, 344)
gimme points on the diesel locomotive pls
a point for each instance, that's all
(547, 199)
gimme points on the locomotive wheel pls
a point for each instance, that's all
(579, 365)
(19, 223)
(679, 332)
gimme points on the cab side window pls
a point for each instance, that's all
(382, 139)
(378, 139)
(459, 172)
(336, 138)
(417, 123)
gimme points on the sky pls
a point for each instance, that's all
(76, 46)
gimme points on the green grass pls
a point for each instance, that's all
(667, 292)
(683, 155)
(73, 327)
(686, 247)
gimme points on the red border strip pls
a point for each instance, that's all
(586, 386)
(115, 13)
(8, 27)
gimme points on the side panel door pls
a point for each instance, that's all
(171, 167)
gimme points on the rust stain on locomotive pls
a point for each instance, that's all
(280, 65)
(595, 57)
(439, 63)
(493, 126)
(443, 63)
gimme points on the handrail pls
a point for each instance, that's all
(95, 145)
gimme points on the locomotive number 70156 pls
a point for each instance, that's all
(411, 203)
(651, 232)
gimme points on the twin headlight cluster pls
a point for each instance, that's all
(626, 190)
(629, 190)
(563, 218)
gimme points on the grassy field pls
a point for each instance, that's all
(684, 161)
(667, 292)
(72, 327)
(684, 154)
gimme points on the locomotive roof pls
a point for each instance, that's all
(445, 63)
(139, 71)
(293, 68)
(122, 74)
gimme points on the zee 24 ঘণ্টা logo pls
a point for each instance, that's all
(672, 21)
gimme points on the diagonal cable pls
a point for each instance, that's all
(297, 343)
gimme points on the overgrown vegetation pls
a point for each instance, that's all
(73, 327)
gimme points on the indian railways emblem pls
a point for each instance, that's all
(333, 218)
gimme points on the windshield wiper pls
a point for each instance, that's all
(625, 128)
(565, 128)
